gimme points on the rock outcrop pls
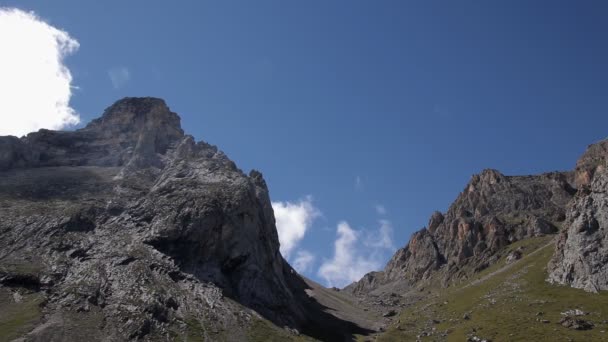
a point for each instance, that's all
(493, 211)
(581, 257)
(129, 229)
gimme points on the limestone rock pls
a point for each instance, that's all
(576, 323)
(581, 257)
(513, 256)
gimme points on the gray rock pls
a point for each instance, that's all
(574, 312)
(576, 323)
(581, 256)
(389, 313)
(513, 256)
(537, 226)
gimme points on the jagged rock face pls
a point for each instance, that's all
(139, 229)
(493, 210)
(581, 256)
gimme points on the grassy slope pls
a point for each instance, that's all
(262, 330)
(259, 330)
(18, 318)
(504, 306)
(256, 330)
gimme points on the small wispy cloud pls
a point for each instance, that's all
(303, 261)
(119, 76)
(293, 221)
(381, 238)
(358, 183)
(380, 209)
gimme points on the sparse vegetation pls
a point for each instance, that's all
(515, 305)
(17, 318)
(262, 330)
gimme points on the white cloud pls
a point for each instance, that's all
(293, 220)
(346, 265)
(119, 76)
(380, 209)
(34, 82)
(383, 238)
(303, 261)
(354, 258)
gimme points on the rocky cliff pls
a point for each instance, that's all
(581, 257)
(129, 229)
(491, 212)
(499, 221)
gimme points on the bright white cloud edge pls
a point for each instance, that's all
(293, 219)
(35, 83)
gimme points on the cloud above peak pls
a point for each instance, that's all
(35, 83)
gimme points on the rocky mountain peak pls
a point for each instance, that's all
(135, 132)
(487, 177)
(134, 114)
(144, 123)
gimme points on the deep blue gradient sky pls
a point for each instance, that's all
(411, 97)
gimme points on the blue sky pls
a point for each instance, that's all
(346, 106)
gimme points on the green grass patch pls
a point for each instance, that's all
(528, 246)
(194, 331)
(262, 330)
(17, 319)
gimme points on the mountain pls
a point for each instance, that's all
(128, 229)
(504, 262)
(492, 212)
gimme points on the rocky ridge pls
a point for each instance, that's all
(492, 211)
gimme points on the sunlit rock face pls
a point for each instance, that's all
(581, 256)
